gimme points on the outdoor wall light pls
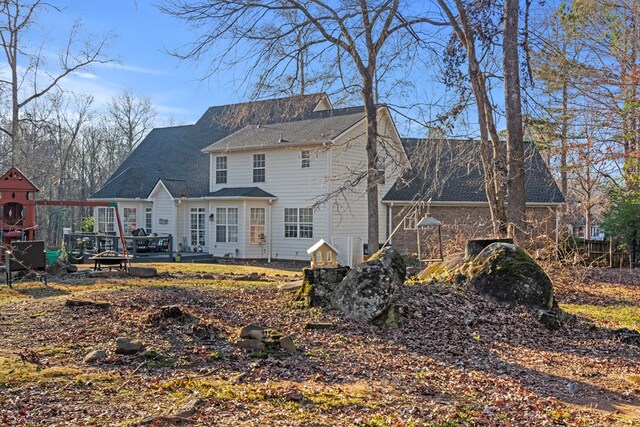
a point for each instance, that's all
(211, 217)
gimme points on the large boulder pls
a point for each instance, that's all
(474, 246)
(508, 274)
(319, 285)
(367, 292)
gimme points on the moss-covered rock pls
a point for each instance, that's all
(318, 284)
(448, 270)
(507, 273)
(367, 292)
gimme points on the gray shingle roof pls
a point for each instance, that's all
(450, 171)
(321, 127)
(242, 192)
(174, 153)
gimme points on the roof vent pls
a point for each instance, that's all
(282, 139)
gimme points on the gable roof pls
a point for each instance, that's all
(445, 170)
(316, 128)
(174, 153)
(14, 179)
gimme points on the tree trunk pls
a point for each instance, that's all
(563, 139)
(372, 164)
(490, 152)
(516, 210)
(15, 107)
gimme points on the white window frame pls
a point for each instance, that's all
(197, 227)
(227, 220)
(305, 159)
(260, 164)
(220, 162)
(105, 220)
(126, 220)
(298, 223)
(148, 220)
(257, 225)
(409, 222)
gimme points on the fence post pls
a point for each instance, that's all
(134, 248)
(610, 252)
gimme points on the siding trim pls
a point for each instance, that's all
(460, 203)
(155, 187)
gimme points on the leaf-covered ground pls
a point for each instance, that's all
(456, 360)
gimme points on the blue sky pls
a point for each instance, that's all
(143, 34)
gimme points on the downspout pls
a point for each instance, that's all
(269, 239)
(244, 229)
(389, 222)
(176, 203)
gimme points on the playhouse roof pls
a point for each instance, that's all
(13, 179)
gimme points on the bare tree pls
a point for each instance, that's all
(468, 28)
(133, 117)
(355, 34)
(516, 208)
(29, 76)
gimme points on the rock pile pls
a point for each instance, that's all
(175, 317)
(263, 341)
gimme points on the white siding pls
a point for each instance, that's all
(164, 209)
(294, 187)
(297, 187)
(349, 158)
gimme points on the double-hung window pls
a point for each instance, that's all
(105, 220)
(259, 168)
(298, 223)
(227, 225)
(221, 170)
(129, 220)
(257, 225)
(381, 174)
(197, 226)
(305, 158)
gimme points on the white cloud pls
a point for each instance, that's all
(131, 68)
(85, 75)
(101, 90)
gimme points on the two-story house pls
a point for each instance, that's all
(267, 179)
(254, 180)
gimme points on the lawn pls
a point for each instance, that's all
(456, 360)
